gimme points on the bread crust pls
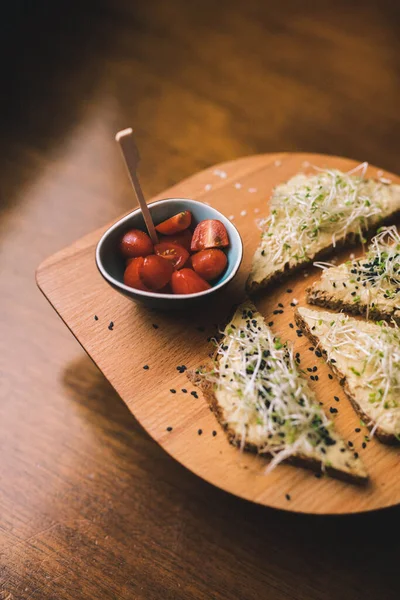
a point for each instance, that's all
(299, 460)
(253, 287)
(381, 434)
(327, 300)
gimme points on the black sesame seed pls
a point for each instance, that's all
(172, 391)
(270, 324)
(309, 369)
(333, 360)
(316, 378)
(184, 390)
(96, 318)
(315, 369)
(333, 410)
(311, 348)
(146, 367)
(336, 398)
(194, 394)
(289, 291)
(312, 377)
(200, 431)
(330, 376)
(291, 325)
(318, 353)
(293, 304)
(155, 325)
(111, 326)
(169, 428)
(355, 454)
(280, 305)
(342, 449)
(287, 496)
(364, 445)
(357, 430)
(214, 433)
(350, 444)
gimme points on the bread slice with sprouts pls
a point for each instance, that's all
(311, 214)
(367, 286)
(266, 406)
(365, 356)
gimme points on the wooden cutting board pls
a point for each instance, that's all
(161, 397)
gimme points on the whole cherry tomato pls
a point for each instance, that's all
(187, 281)
(176, 223)
(136, 243)
(210, 233)
(209, 264)
(172, 252)
(156, 272)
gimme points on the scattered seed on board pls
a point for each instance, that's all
(231, 217)
(146, 367)
(243, 213)
(169, 428)
(208, 187)
(199, 431)
(214, 433)
(96, 318)
(111, 326)
(155, 325)
(288, 497)
(194, 394)
(238, 186)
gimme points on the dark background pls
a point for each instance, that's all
(90, 507)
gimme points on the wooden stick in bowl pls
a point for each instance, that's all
(131, 156)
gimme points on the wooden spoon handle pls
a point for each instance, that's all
(131, 156)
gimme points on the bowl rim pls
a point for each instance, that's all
(111, 280)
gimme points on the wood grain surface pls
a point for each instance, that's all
(90, 506)
(160, 396)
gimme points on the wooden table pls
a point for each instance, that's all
(90, 506)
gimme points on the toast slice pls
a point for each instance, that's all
(266, 406)
(311, 214)
(368, 286)
(365, 356)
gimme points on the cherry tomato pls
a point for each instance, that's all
(209, 234)
(156, 272)
(209, 264)
(176, 223)
(133, 272)
(182, 238)
(177, 255)
(187, 281)
(136, 243)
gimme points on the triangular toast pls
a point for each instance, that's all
(311, 214)
(367, 286)
(365, 356)
(266, 406)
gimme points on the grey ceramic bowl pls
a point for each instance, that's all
(111, 264)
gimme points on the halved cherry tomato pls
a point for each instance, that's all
(209, 264)
(210, 233)
(187, 281)
(183, 238)
(172, 252)
(136, 243)
(133, 272)
(176, 223)
(156, 272)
